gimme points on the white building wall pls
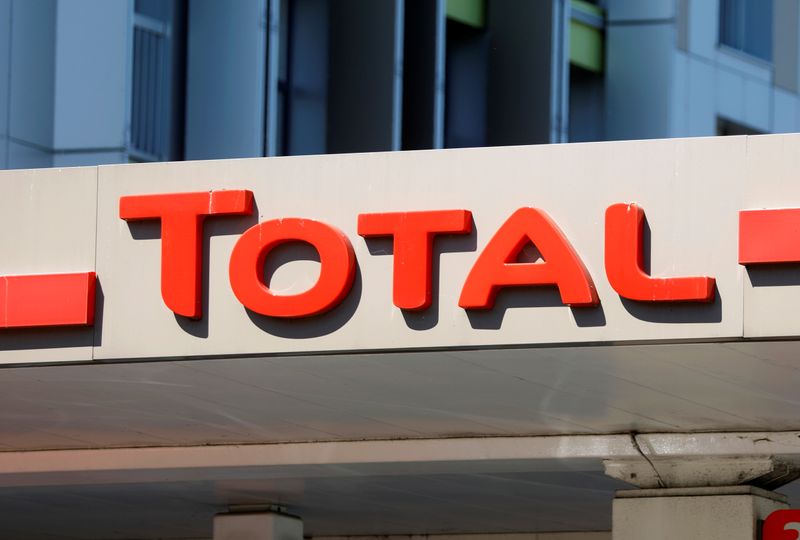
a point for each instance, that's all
(640, 42)
(724, 83)
(226, 79)
(90, 98)
(666, 80)
(785, 111)
(63, 82)
(30, 81)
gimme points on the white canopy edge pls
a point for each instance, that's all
(377, 457)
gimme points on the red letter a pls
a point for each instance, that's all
(496, 266)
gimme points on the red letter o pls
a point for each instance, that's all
(337, 267)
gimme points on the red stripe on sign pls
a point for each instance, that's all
(47, 300)
(769, 236)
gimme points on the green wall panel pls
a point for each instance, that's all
(471, 12)
(586, 40)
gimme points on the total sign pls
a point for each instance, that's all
(687, 239)
(413, 233)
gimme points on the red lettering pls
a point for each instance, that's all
(47, 300)
(769, 236)
(413, 234)
(497, 265)
(783, 524)
(624, 255)
(337, 267)
(182, 216)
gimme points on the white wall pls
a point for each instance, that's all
(640, 40)
(64, 66)
(226, 74)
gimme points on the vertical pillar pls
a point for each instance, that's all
(640, 46)
(710, 513)
(423, 74)
(466, 63)
(92, 64)
(257, 526)
(306, 101)
(712, 498)
(528, 66)
(786, 44)
(5, 52)
(226, 79)
(365, 84)
(65, 72)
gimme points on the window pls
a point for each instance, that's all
(746, 25)
(158, 74)
(729, 127)
(303, 80)
(466, 85)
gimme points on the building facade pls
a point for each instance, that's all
(87, 82)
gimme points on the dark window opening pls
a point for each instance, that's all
(158, 89)
(466, 86)
(746, 25)
(423, 54)
(586, 105)
(303, 77)
(729, 127)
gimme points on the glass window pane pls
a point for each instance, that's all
(746, 25)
